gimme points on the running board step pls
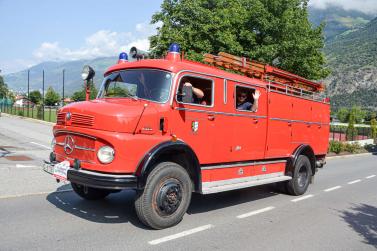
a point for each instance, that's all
(222, 186)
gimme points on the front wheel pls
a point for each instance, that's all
(166, 196)
(90, 193)
(301, 176)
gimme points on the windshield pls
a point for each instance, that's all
(139, 83)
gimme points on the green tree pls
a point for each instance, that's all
(35, 97)
(342, 115)
(51, 97)
(3, 88)
(272, 31)
(359, 114)
(351, 131)
(81, 94)
(373, 128)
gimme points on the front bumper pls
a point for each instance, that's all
(96, 179)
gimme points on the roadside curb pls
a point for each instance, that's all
(351, 155)
(28, 119)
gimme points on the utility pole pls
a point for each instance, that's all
(63, 87)
(43, 94)
(28, 91)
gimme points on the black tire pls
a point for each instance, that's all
(166, 196)
(301, 176)
(90, 193)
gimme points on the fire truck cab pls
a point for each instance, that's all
(169, 127)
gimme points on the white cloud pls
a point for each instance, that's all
(100, 44)
(366, 6)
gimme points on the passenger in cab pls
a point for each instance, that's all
(191, 94)
(244, 104)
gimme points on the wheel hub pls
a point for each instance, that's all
(169, 198)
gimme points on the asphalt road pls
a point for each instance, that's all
(338, 212)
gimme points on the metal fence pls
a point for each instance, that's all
(339, 133)
(46, 113)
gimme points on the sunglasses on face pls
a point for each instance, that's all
(243, 96)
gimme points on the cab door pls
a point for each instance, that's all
(194, 119)
(249, 127)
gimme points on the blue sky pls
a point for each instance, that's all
(35, 31)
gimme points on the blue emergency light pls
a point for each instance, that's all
(123, 57)
(174, 48)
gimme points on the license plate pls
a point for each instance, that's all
(61, 169)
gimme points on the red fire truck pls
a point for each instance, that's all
(169, 127)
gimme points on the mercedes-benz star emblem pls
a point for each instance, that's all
(68, 116)
(69, 144)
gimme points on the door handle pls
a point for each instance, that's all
(289, 123)
(211, 117)
(255, 121)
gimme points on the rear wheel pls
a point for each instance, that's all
(90, 193)
(166, 196)
(301, 176)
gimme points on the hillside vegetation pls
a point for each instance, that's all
(352, 58)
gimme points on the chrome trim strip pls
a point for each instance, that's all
(220, 113)
(299, 121)
(84, 148)
(105, 174)
(251, 163)
(237, 183)
(78, 147)
(75, 133)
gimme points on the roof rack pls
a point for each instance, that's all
(255, 69)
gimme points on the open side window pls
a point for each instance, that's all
(195, 90)
(244, 100)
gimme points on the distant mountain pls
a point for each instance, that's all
(352, 58)
(54, 77)
(338, 20)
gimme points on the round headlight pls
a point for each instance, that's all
(53, 143)
(106, 154)
(87, 73)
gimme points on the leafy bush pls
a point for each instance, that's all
(352, 147)
(20, 113)
(336, 146)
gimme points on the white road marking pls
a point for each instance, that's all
(332, 188)
(303, 198)
(111, 216)
(24, 166)
(353, 182)
(181, 234)
(370, 176)
(255, 212)
(49, 148)
(84, 212)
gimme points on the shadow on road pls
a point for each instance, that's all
(115, 208)
(205, 203)
(119, 207)
(363, 220)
